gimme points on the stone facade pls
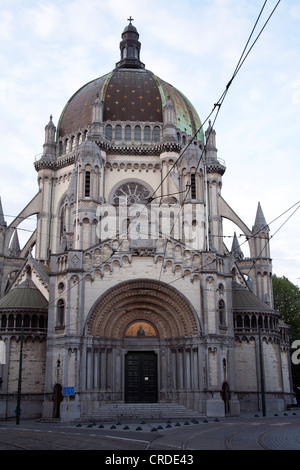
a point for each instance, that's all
(144, 301)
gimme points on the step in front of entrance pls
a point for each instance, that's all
(146, 411)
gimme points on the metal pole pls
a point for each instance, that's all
(262, 375)
(18, 411)
(76, 213)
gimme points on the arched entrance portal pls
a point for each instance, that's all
(143, 345)
(152, 301)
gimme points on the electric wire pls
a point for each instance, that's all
(198, 271)
(219, 103)
(249, 238)
(216, 106)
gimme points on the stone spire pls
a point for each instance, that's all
(14, 249)
(49, 145)
(236, 249)
(130, 48)
(2, 220)
(260, 221)
(210, 136)
(213, 163)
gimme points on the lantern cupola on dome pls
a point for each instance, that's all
(130, 48)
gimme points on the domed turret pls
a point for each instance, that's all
(130, 48)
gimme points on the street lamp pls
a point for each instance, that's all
(18, 410)
(262, 374)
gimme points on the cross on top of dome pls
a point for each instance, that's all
(130, 48)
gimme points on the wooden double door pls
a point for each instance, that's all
(141, 377)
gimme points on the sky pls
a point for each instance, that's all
(49, 49)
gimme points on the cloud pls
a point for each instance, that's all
(49, 49)
(296, 91)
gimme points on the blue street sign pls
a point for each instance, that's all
(68, 391)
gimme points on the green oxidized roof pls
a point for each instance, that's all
(244, 300)
(128, 95)
(24, 296)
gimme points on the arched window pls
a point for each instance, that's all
(137, 133)
(60, 148)
(253, 322)
(222, 312)
(34, 322)
(62, 221)
(147, 134)
(108, 132)
(118, 133)
(156, 134)
(11, 321)
(19, 321)
(193, 186)
(87, 187)
(128, 133)
(42, 322)
(65, 146)
(26, 321)
(60, 318)
(3, 322)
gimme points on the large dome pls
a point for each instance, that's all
(129, 93)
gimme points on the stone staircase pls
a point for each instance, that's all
(141, 411)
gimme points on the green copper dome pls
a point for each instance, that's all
(129, 93)
(24, 296)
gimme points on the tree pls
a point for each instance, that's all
(287, 302)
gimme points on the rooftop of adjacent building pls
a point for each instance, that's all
(25, 296)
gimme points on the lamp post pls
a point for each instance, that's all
(18, 410)
(262, 374)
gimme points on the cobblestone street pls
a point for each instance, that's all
(245, 433)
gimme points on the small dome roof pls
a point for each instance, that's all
(130, 28)
(24, 296)
(245, 300)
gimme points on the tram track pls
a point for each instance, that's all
(31, 439)
(219, 437)
(230, 435)
(256, 441)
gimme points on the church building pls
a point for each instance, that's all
(126, 299)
